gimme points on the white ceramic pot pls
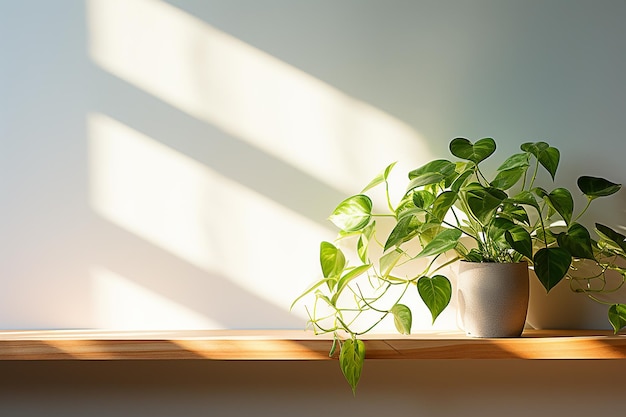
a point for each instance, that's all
(492, 298)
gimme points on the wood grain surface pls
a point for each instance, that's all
(301, 345)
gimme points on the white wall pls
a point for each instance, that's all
(170, 164)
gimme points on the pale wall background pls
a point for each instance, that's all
(170, 164)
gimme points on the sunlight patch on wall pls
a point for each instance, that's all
(189, 210)
(124, 305)
(247, 93)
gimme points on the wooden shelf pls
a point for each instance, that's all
(300, 345)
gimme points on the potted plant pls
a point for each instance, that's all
(452, 211)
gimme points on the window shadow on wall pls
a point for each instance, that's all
(216, 164)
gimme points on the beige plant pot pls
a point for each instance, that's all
(492, 298)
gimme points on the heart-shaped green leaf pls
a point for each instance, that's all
(442, 242)
(477, 152)
(520, 240)
(551, 265)
(351, 359)
(577, 241)
(534, 148)
(560, 199)
(332, 260)
(353, 213)
(550, 160)
(547, 156)
(617, 316)
(402, 318)
(594, 187)
(483, 202)
(436, 293)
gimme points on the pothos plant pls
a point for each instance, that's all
(451, 211)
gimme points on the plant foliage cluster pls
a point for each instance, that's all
(507, 218)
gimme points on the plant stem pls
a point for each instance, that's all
(584, 210)
(389, 205)
(532, 181)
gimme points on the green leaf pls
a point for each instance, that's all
(508, 178)
(520, 240)
(617, 239)
(428, 231)
(321, 296)
(544, 235)
(364, 240)
(547, 156)
(498, 227)
(345, 280)
(483, 202)
(351, 359)
(518, 160)
(514, 212)
(441, 243)
(436, 293)
(403, 231)
(423, 198)
(534, 148)
(332, 260)
(617, 316)
(402, 318)
(577, 241)
(380, 178)
(551, 265)
(388, 261)
(560, 199)
(464, 149)
(433, 172)
(594, 187)
(525, 198)
(425, 179)
(406, 207)
(550, 160)
(442, 204)
(353, 213)
(474, 255)
(439, 166)
(459, 182)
